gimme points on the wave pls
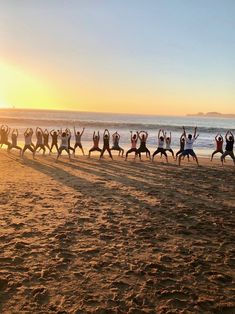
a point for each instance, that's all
(51, 123)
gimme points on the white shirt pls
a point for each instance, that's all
(168, 145)
(64, 141)
(189, 143)
(28, 139)
(160, 143)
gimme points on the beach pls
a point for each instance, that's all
(103, 236)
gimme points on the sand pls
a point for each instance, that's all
(91, 236)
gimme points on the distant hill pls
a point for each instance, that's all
(212, 114)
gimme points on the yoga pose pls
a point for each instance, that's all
(229, 147)
(68, 132)
(116, 138)
(168, 144)
(28, 142)
(134, 140)
(39, 143)
(96, 139)
(14, 136)
(188, 150)
(78, 137)
(54, 137)
(45, 135)
(106, 139)
(219, 145)
(64, 137)
(5, 131)
(142, 135)
(161, 140)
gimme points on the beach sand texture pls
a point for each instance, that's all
(92, 236)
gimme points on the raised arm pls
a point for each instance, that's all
(159, 132)
(74, 130)
(184, 132)
(195, 132)
(82, 131)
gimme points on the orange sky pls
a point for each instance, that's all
(109, 57)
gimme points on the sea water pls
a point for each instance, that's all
(208, 127)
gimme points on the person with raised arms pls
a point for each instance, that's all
(28, 142)
(54, 136)
(188, 149)
(78, 137)
(96, 139)
(142, 136)
(45, 135)
(229, 147)
(14, 137)
(219, 145)
(39, 143)
(106, 140)
(116, 137)
(64, 145)
(134, 140)
(161, 141)
(168, 145)
(5, 131)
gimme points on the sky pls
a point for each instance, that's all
(168, 57)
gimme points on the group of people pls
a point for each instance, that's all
(164, 143)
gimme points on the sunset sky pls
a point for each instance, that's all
(154, 57)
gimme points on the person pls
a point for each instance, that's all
(116, 137)
(106, 140)
(54, 137)
(161, 142)
(45, 135)
(229, 147)
(14, 136)
(64, 137)
(5, 131)
(68, 132)
(28, 142)
(188, 149)
(168, 145)
(78, 137)
(142, 136)
(182, 144)
(96, 139)
(134, 140)
(40, 143)
(219, 145)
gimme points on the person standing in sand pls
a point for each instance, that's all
(168, 145)
(134, 140)
(229, 147)
(96, 139)
(39, 143)
(78, 137)
(28, 142)
(106, 140)
(54, 137)
(68, 132)
(64, 137)
(45, 135)
(189, 141)
(116, 137)
(143, 136)
(219, 145)
(161, 141)
(5, 131)
(14, 136)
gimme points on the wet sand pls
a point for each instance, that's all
(91, 236)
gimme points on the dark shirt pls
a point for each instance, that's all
(229, 145)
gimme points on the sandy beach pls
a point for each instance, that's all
(102, 236)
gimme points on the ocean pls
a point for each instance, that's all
(123, 123)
